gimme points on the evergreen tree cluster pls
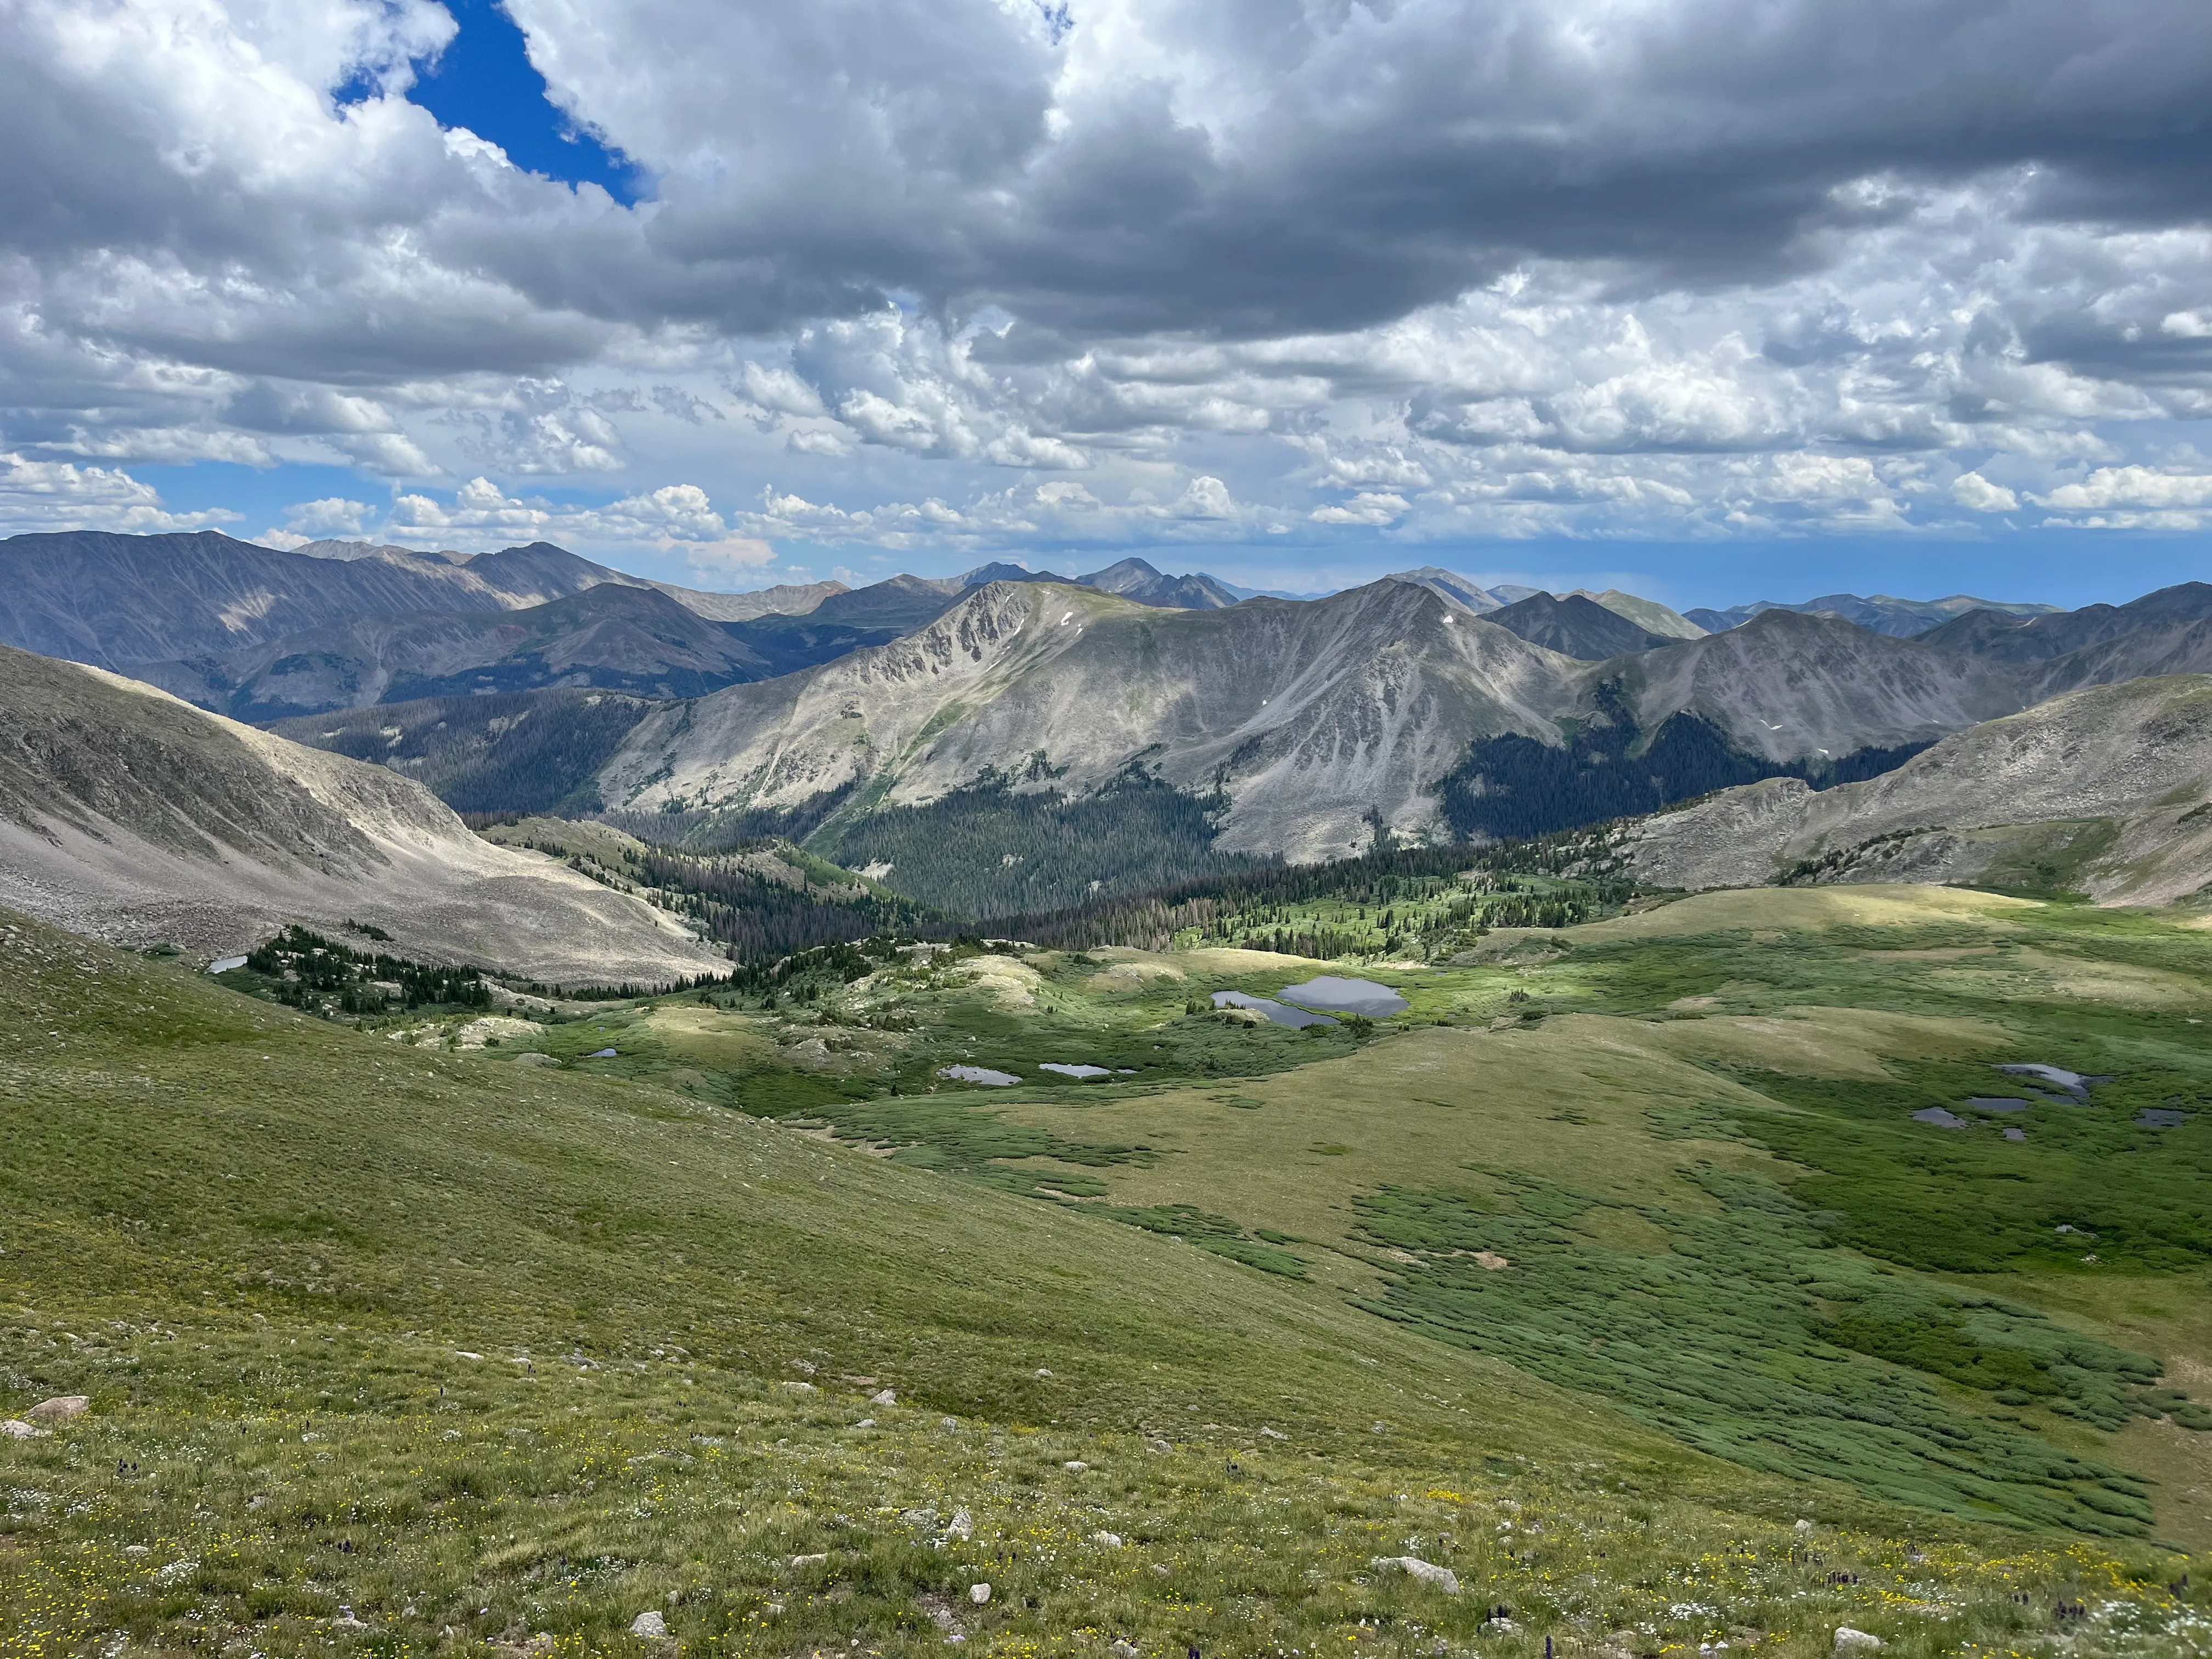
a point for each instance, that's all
(758, 919)
(754, 917)
(1407, 895)
(707, 829)
(989, 851)
(1514, 786)
(303, 970)
(515, 752)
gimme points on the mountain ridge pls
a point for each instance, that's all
(1882, 613)
(2108, 787)
(1358, 731)
(130, 815)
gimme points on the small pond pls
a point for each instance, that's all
(1941, 1117)
(1345, 996)
(1274, 1011)
(2076, 1084)
(983, 1074)
(1075, 1071)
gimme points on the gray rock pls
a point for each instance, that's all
(59, 1409)
(1427, 1572)
(887, 1397)
(648, 1624)
(1855, 1640)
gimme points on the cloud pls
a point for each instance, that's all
(168, 445)
(1014, 519)
(1692, 268)
(675, 517)
(2131, 487)
(47, 495)
(1977, 494)
(1368, 508)
(332, 516)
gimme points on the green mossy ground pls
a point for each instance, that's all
(270, 1246)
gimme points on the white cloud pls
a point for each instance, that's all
(832, 442)
(675, 517)
(1368, 506)
(1012, 518)
(1977, 494)
(2131, 487)
(389, 454)
(170, 445)
(332, 516)
(36, 495)
(1714, 293)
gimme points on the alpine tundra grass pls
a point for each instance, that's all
(394, 1350)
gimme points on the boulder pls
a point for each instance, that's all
(59, 1409)
(1849, 1641)
(1427, 1572)
(15, 1429)
(979, 1594)
(649, 1624)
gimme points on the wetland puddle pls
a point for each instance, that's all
(1345, 996)
(1276, 1012)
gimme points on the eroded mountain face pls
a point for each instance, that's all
(1298, 730)
(2106, 790)
(1313, 719)
(132, 817)
(1418, 707)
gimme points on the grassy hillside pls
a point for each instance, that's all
(392, 1349)
(1730, 1081)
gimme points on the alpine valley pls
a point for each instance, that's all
(1094, 1116)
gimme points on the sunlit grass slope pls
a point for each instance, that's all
(399, 1351)
(1673, 1159)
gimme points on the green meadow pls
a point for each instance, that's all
(1615, 1257)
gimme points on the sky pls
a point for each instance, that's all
(1715, 300)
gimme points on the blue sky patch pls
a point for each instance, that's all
(484, 80)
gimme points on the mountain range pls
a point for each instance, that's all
(1311, 729)
(135, 818)
(262, 635)
(1904, 618)
(2106, 790)
(1420, 705)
